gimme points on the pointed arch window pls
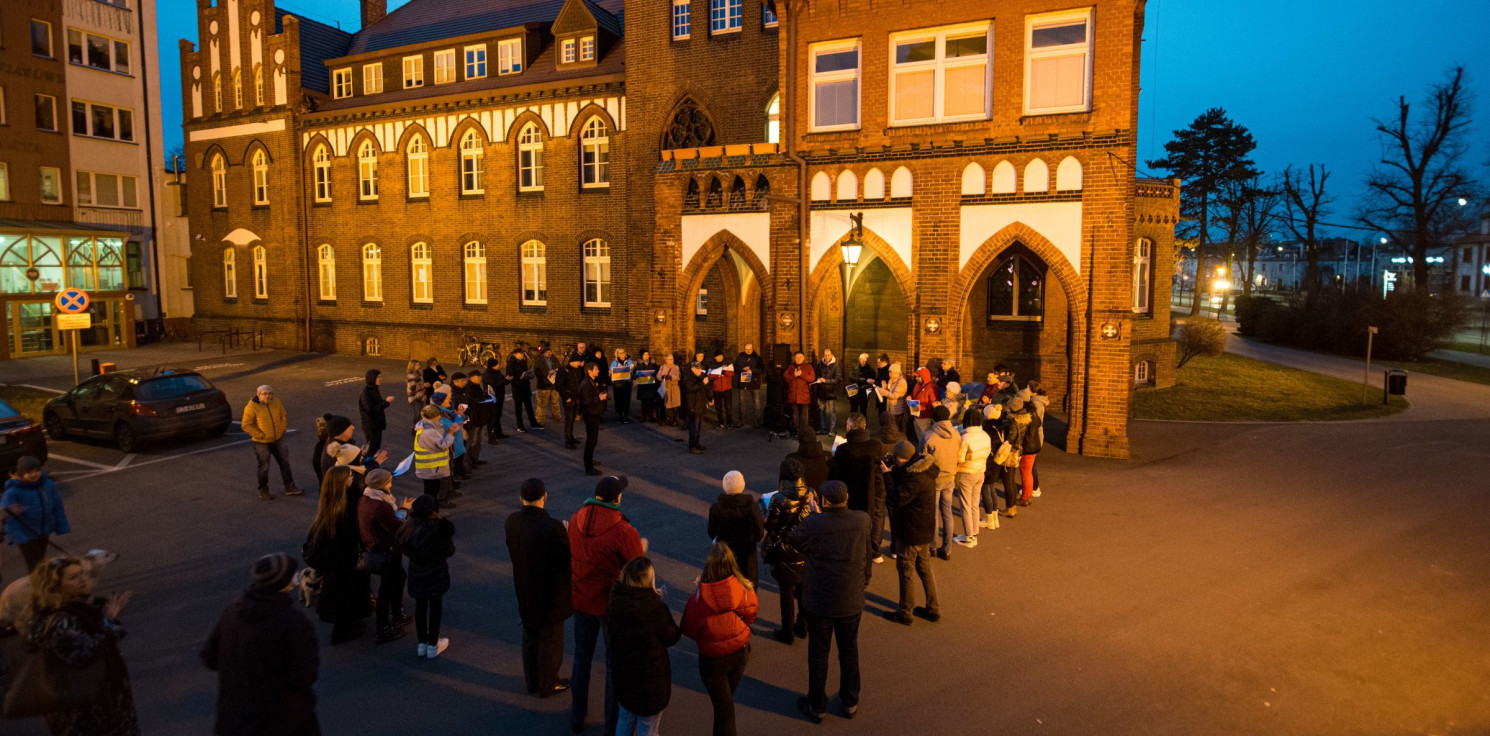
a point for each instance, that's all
(219, 182)
(422, 266)
(690, 197)
(1143, 271)
(762, 191)
(418, 160)
(535, 273)
(471, 155)
(217, 91)
(594, 155)
(367, 171)
(261, 272)
(1016, 289)
(261, 177)
(259, 85)
(597, 273)
(372, 273)
(474, 254)
(238, 88)
(773, 119)
(321, 164)
(229, 274)
(737, 194)
(715, 198)
(326, 260)
(530, 159)
(690, 127)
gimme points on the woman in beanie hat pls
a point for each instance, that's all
(428, 538)
(329, 428)
(791, 503)
(735, 519)
(33, 510)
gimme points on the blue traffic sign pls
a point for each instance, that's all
(72, 301)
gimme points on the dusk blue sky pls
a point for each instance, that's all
(1305, 77)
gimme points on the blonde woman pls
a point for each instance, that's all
(78, 633)
(672, 395)
(415, 387)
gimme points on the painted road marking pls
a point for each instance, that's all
(75, 461)
(40, 388)
(122, 464)
(341, 381)
(105, 469)
(215, 365)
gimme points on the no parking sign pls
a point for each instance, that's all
(71, 301)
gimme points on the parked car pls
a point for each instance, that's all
(134, 407)
(19, 436)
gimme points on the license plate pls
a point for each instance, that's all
(190, 407)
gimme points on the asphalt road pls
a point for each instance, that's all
(1231, 579)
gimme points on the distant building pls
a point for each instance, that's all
(1471, 258)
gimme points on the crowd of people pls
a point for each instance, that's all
(939, 457)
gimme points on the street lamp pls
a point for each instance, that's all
(852, 247)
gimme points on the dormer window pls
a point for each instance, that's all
(341, 83)
(510, 56)
(587, 48)
(567, 50)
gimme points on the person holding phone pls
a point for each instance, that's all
(78, 632)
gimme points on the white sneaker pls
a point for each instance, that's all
(879, 559)
(1035, 493)
(422, 649)
(968, 542)
(435, 650)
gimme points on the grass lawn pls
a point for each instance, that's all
(1434, 367)
(1468, 347)
(1230, 388)
(27, 401)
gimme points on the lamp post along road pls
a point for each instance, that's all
(851, 248)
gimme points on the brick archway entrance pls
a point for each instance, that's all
(880, 270)
(744, 281)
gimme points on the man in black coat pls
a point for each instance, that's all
(750, 376)
(836, 546)
(539, 547)
(857, 463)
(592, 409)
(545, 375)
(520, 374)
(478, 415)
(910, 492)
(373, 407)
(265, 654)
(496, 385)
(695, 387)
(569, 380)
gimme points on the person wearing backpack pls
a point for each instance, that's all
(639, 630)
(429, 541)
(791, 503)
(718, 617)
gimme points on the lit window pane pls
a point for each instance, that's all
(913, 95)
(837, 103)
(1058, 81)
(966, 87)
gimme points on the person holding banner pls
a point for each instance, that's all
(520, 374)
(862, 381)
(621, 371)
(646, 388)
(721, 380)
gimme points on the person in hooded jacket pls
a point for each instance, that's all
(570, 377)
(1024, 425)
(815, 463)
(539, 547)
(601, 541)
(638, 632)
(911, 495)
(331, 548)
(791, 503)
(718, 616)
(33, 510)
(941, 443)
(929, 395)
(428, 538)
(857, 463)
(827, 392)
(373, 407)
(735, 519)
(433, 440)
(972, 463)
(266, 659)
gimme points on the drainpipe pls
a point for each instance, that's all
(303, 222)
(160, 311)
(789, 125)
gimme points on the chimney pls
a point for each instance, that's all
(373, 11)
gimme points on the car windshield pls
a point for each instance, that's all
(6, 411)
(169, 387)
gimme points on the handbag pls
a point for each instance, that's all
(372, 561)
(1004, 452)
(44, 685)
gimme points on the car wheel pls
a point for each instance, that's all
(124, 436)
(54, 427)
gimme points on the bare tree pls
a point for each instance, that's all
(1414, 194)
(1306, 204)
(1258, 216)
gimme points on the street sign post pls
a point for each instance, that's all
(1366, 382)
(72, 315)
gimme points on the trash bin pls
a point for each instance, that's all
(107, 367)
(1394, 383)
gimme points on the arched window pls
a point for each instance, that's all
(715, 198)
(217, 91)
(1143, 270)
(874, 186)
(762, 191)
(848, 187)
(421, 265)
(1036, 177)
(471, 154)
(418, 158)
(594, 155)
(1141, 372)
(773, 119)
(974, 181)
(219, 181)
(326, 258)
(690, 197)
(259, 85)
(261, 272)
(689, 128)
(597, 273)
(530, 159)
(321, 162)
(261, 177)
(1016, 289)
(230, 274)
(737, 194)
(238, 88)
(475, 271)
(372, 273)
(367, 171)
(535, 273)
(900, 183)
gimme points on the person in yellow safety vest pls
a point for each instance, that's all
(432, 443)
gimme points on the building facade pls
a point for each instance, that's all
(542, 171)
(79, 162)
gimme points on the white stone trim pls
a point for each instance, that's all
(556, 117)
(1059, 222)
(233, 131)
(752, 228)
(241, 237)
(890, 224)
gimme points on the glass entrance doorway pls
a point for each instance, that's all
(29, 325)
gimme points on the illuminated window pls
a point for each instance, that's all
(835, 85)
(510, 56)
(372, 273)
(1016, 290)
(321, 164)
(261, 177)
(535, 273)
(445, 66)
(530, 159)
(367, 171)
(1143, 270)
(773, 119)
(471, 155)
(229, 274)
(261, 272)
(372, 78)
(1058, 62)
(414, 71)
(421, 265)
(418, 157)
(940, 75)
(219, 182)
(326, 260)
(597, 273)
(474, 258)
(594, 155)
(341, 83)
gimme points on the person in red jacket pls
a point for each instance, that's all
(601, 542)
(799, 378)
(929, 394)
(718, 617)
(723, 384)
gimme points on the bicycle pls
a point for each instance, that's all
(476, 352)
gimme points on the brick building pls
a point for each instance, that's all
(543, 169)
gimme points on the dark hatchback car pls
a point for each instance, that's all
(19, 436)
(134, 407)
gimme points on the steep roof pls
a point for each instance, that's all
(421, 21)
(318, 42)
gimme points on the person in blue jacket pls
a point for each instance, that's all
(33, 510)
